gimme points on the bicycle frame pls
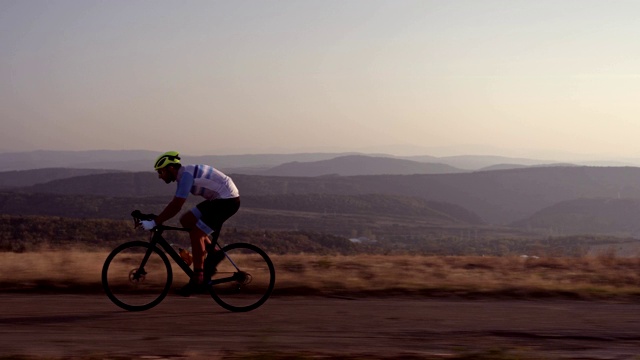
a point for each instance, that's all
(157, 239)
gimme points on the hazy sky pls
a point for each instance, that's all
(220, 77)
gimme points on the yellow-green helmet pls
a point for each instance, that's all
(168, 158)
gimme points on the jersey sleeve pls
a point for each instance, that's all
(184, 185)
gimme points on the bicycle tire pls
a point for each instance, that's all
(253, 277)
(123, 284)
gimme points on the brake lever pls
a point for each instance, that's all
(136, 218)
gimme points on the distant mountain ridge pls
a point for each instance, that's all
(93, 159)
(352, 165)
(255, 164)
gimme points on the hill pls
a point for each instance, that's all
(103, 207)
(134, 184)
(77, 206)
(21, 178)
(359, 165)
(498, 197)
(588, 216)
(369, 204)
(375, 216)
(479, 162)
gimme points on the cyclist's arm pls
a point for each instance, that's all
(182, 192)
(171, 210)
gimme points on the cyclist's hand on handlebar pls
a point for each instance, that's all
(139, 218)
(148, 224)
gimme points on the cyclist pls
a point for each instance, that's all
(222, 200)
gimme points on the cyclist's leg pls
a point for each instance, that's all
(212, 215)
(208, 216)
(198, 237)
(198, 241)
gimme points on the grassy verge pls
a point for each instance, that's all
(600, 277)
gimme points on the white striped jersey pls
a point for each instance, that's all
(205, 181)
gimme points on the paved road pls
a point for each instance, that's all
(62, 326)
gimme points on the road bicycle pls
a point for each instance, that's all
(137, 275)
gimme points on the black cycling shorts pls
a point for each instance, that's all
(211, 214)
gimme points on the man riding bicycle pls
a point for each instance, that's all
(222, 200)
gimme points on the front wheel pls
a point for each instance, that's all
(244, 279)
(136, 276)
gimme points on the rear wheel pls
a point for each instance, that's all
(244, 279)
(133, 283)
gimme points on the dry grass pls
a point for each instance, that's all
(602, 277)
(587, 277)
